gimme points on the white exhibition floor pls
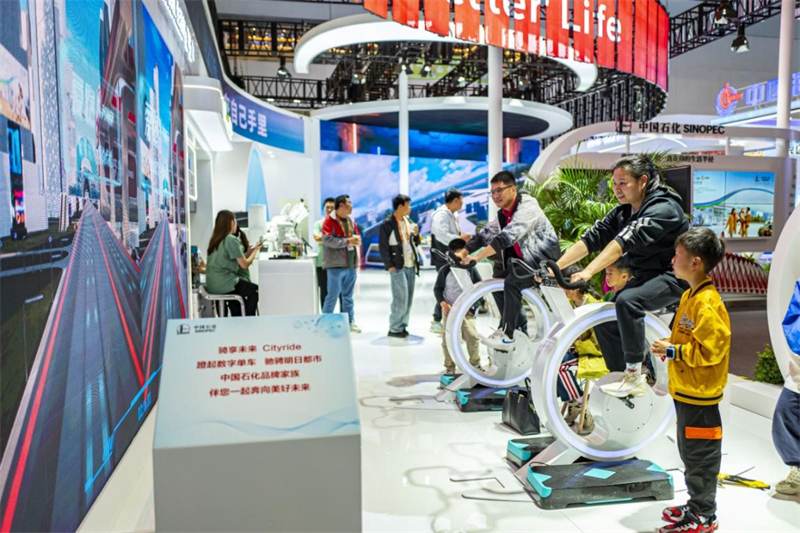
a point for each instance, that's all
(409, 456)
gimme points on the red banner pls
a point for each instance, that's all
(399, 12)
(606, 10)
(625, 36)
(379, 7)
(557, 31)
(652, 40)
(526, 25)
(468, 20)
(640, 43)
(437, 16)
(412, 13)
(496, 20)
(663, 48)
(583, 30)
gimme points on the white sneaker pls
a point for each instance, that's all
(790, 485)
(630, 384)
(354, 328)
(498, 341)
(437, 327)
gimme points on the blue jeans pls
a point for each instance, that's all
(341, 282)
(786, 427)
(402, 296)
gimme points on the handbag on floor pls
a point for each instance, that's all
(518, 411)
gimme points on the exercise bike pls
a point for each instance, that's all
(623, 426)
(503, 369)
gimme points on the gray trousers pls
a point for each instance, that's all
(402, 297)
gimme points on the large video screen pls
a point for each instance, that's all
(92, 246)
(734, 203)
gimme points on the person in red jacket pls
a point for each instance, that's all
(341, 239)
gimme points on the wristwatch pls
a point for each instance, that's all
(671, 352)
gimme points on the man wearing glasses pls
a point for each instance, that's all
(521, 230)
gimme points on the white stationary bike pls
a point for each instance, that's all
(502, 369)
(623, 427)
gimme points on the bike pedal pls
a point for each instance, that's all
(627, 401)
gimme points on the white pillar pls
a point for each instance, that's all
(403, 131)
(495, 117)
(785, 73)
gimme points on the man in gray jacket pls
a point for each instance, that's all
(521, 230)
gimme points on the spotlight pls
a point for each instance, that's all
(725, 13)
(356, 80)
(523, 83)
(283, 72)
(462, 80)
(426, 69)
(740, 44)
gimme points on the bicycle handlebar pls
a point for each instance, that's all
(443, 255)
(544, 274)
(563, 283)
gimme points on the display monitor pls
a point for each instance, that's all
(734, 203)
(680, 180)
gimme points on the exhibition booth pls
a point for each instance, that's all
(133, 399)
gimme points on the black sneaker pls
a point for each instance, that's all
(397, 334)
(405, 333)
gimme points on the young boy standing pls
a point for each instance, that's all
(447, 290)
(698, 351)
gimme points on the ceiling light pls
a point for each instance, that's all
(740, 44)
(462, 79)
(296, 101)
(270, 100)
(356, 79)
(283, 72)
(725, 13)
(427, 67)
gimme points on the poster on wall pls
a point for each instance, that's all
(734, 203)
(92, 246)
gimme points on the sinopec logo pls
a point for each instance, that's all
(726, 100)
(184, 329)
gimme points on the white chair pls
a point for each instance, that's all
(218, 301)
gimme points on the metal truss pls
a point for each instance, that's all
(695, 27)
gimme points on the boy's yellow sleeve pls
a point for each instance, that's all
(710, 342)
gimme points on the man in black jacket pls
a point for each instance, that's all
(398, 241)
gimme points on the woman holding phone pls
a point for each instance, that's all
(229, 257)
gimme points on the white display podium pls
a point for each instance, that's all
(258, 427)
(287, 287)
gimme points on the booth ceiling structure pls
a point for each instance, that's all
(369, 71)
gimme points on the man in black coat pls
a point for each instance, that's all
(398, 241)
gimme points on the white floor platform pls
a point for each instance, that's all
(409, 456)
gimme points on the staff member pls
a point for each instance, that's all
(644, 227)
(226, 256)
(444, 229)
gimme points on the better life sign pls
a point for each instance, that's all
(258, 413)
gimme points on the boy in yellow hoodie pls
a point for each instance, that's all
(698, 351)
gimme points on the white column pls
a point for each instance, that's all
(785, 73)
(403, 131)
(495, 117)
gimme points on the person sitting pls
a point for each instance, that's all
(643, 227)
(447, 290)
(583, 361)
(521, 230)
(227, 260)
